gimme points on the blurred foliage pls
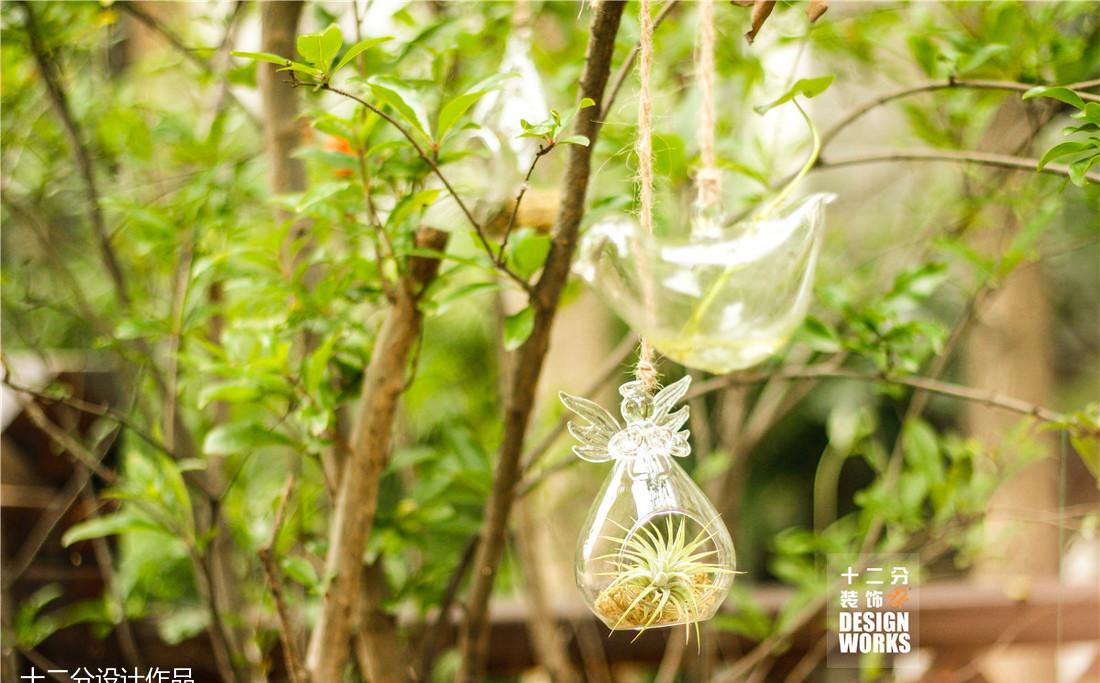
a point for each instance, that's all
(273, 331)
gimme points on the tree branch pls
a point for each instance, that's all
(134, 9)
(295, 668)
(827, 371)
(479, 230)
(443, 616)
(983, 158)
(519, 199)
(931, 86)
(60, 103)
(474, 637)
(357, 500)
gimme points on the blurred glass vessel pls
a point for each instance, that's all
(723, 298)
(653, 551)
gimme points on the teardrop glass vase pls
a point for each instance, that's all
(653, 551)
(719, 299)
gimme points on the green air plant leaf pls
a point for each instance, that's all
(660, 576)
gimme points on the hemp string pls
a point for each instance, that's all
(707, 179)
(646, 369)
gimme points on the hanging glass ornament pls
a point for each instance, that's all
(654, 551)
(722, 298)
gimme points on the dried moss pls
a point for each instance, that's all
(614, 601)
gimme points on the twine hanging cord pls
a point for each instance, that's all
(646, 369)
(707, 179)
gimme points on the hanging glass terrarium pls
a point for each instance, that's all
(653, 551)
(723, 297)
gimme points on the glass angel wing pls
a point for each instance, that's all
(652, 429)
(594, 431)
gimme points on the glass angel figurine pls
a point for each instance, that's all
(653, 551)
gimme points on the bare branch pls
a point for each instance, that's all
(500, 258)
(931, 86)
(824, 371)
(294, 665)
(134, 9)
(60, 103)
(983, 158)
(473, 640)
(479, 230)
(357, 500)
(443, 616)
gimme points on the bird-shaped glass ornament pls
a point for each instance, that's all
(723, 297)
(653, 551)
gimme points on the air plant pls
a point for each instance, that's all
(660, 578)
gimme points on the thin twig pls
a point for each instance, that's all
(127, 643)
(474, 637)
(479, 230)
(48, 520)
(83, 159)
(134, 9)
(931, 86)
(827, 371)
(443, 616)
(95, 409)
(39, 660)
(957, 156)
(500, 258)
(179, 305)
(294, 665)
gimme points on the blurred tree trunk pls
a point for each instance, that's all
(280, 114)
(1009, 352)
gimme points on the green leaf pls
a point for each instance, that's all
(922, 450)
(410, 204)
(1088, 447)
(302, 68)
(1079, 168)
(108, 525)
(261, 56)
(1060, 150)
(807, 87)
(449, 299)
(451, 112)
(357, 49)
(236, 437)
(1058, 93)
(517, 328)
(331, 41)
(309, 46)
(581, 140)
(819, 336)
(234, 391)
(300, 570)
(529, 252)
(403, 100)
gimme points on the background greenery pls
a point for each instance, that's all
(252, 315)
